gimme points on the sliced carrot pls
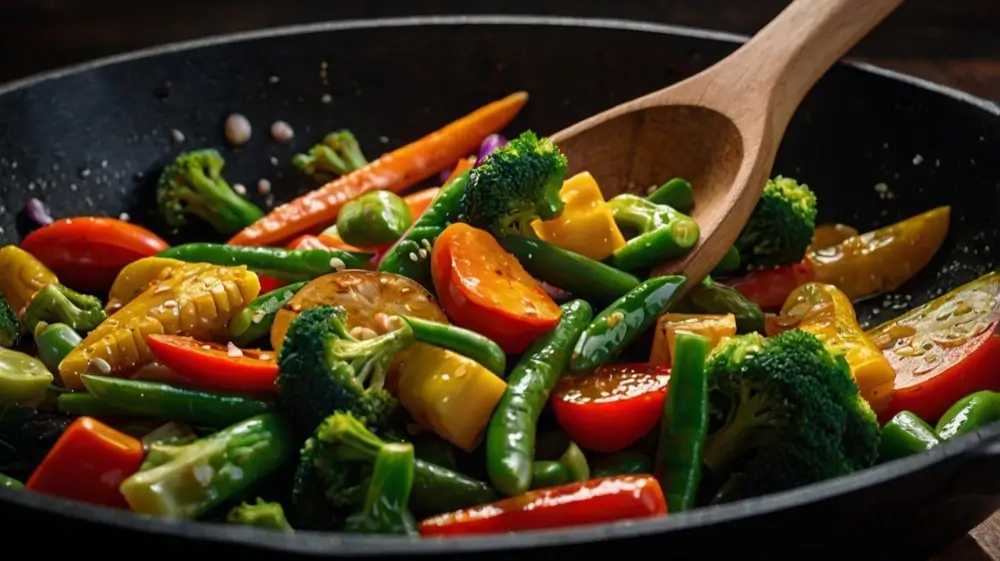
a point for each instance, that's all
(394, 172)
(88, 463)
(419, 201)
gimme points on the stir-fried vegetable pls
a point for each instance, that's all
(781, 226)
(215, 366)
(905, 435)
(338, 154)
(283, 264)
(586, 225)
(662, 232)
(373, 219)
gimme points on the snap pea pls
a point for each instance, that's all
(168, 403)
(254, 322)
(684, 423)
(623, 463)
(580, 276)
(619, 324)
(291, 265)
(905, 435)
(550, 474)
(9, 482)
(510, 437)
(410, 256)
(373, 219)
(710, 297)
(54, 341)
(86, 405)
(969, 414)
(462, 341)
(663, 233)
(676, 193)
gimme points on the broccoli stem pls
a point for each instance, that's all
(745, 430)
(385, 507)
(371, 358)
(225, 210)
(261, 514)
(55, 303)
(194, 478)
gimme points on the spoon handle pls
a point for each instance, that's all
(786, 58)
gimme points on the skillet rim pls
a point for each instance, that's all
(983, 442)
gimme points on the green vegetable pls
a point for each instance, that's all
(54, 341)
(433, 449)
(515, 185)
(549, 474)
(969, 414)
(730, 262)
(622, 463)
(510, 437)
(384, 510)
(10, 326)
(86, 405)
(169, 433)
(10, 483)
(168, 403)
(406, 258)
(785, 412)
(56, 303)
(324, 369)
(462, 341)
(373, 219)
(254, 322)
(337, 462)
(27, 435)
(676, 193)
(684, 424)
(710, 297)
(614, 329)
(905, 435)
(292, 265)
(580, 276)
(22, 377)
(781, 227)
(191, 479)
(261, 514)
(574, 460)
(663, 233)
(193, 184)
(338, 154)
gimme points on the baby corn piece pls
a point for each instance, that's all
(134, 279)
(195, 299)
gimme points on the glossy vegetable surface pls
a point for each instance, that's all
(904, 435)
(284, 264)
(373, 219)
(216, 366)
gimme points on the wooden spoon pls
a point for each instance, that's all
(721, 128)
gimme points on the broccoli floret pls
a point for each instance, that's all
(517, 184)
(193, 184)
(10, 326)
(57, 304)
(781, 226)
(323, 369)
(261, 514)
(785, 412)
(338, 154)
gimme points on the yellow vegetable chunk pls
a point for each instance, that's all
(197, 299)
(22, 276)
(135, 278)
(449, 394)
(715, 327)
(826, 312)
(586, 225)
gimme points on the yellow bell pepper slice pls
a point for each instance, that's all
(22, 276)
(826, 312)
(449, 394)
(715, 327)
(197, 299)
(586, 225)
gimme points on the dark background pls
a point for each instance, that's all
(956, 42)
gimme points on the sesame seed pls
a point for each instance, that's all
(263, 186)
(337, 264)
(207, 347)
(233, 351)
(274, 161)
(104, 163)
(918, 159)
(240, 189)
(265, 357)
(383, 139)
(177, 135)
(170, 304)
(281, 131)
(102, 366)
(237, 129)
(273, 80)
(413, 257)
(124, 217)
(423, 253)
(327, 98)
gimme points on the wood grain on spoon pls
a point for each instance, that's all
(721, 128)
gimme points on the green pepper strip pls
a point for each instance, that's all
(410, 256)
(619, 324)
(510, 437)
(7, 482)
(676, 193)
(191, 479)
(167, 403)
(291, 265)
(664, 233)
(462, 341)
(623, 463)
(254, 322)
(574, 460)
(86, 405)
(580, 276)
(969, 414)
(550, 474)
(905, 435)
(385, 507)
(710, 297)
(684, 424)
(54, 341)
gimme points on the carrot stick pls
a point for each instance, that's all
(394, 172)
(419, 201)
(463, 165)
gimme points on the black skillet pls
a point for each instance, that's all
(90, 140)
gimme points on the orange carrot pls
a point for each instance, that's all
(463, 165)
(419, 201)
(394, 172)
